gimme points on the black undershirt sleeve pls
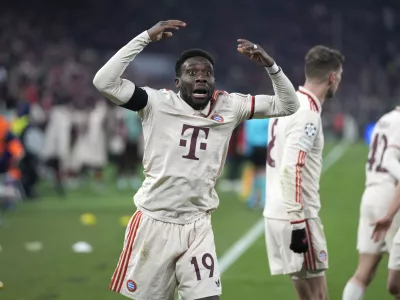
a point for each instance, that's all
(138, 100)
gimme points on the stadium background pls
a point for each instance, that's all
(49, 52)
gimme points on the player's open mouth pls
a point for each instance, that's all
(200, 93)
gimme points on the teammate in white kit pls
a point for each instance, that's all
(382, 226)
(382, 174)
(169, 241)
(294, 234)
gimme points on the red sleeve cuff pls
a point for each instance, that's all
(253, 102)
(297, 222)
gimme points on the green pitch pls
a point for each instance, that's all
(57, 273)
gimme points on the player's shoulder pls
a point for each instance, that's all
(160, 94)
(394, 115)
(307, 102)
(390, 119)
(232, 100)
(304, 113)
(224, 100)
(224, 96)
(238, 96)
(162, 91)
(303, 119)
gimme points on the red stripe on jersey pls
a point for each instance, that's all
(214, 100)
(311, 99)
(300, 164)
(253, 102)
(118, 278)
(313, 107)
(311, 248)
(211, 105)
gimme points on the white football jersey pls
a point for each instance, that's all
(385, 135)
(185, 150)
(294, 162)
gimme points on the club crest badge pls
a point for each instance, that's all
(131, 285)
(217, 118)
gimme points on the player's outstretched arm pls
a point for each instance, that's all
(285, 101)
(301, 133)
(108, 79)
(383, 225)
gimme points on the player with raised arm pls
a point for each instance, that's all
(169, 241)
(295, 239)
(382, 174)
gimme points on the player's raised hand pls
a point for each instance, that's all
(381, 227)
(255, 53)
(163, 29)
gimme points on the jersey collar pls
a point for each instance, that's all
(204, 112)
(311, 97)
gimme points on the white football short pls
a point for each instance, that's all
(394, 257)
(159, 257)
(374, 205)
(282, 260)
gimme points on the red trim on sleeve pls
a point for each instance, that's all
(297, 222)
(301, 160)
(253, 102)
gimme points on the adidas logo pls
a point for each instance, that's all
(218, 283)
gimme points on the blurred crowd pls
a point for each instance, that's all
(50, 51)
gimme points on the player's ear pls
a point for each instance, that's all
(332, 78)
(177, 82)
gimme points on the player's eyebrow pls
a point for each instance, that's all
(197, 65)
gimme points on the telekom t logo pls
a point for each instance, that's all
(193, 140)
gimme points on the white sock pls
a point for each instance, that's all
(353, 291)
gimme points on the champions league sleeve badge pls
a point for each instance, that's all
(310, 130)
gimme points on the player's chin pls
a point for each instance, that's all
(200, 100)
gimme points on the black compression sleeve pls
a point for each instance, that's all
(138, 100)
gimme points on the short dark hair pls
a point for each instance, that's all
(321, 60)
(191, 53)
